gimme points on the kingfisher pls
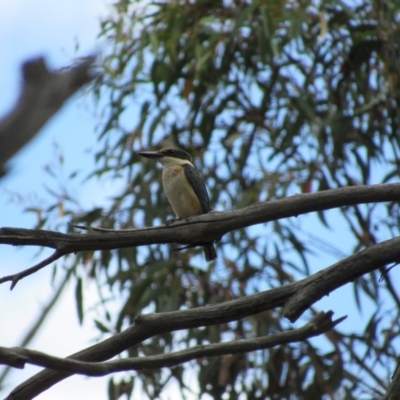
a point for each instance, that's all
(184, 187)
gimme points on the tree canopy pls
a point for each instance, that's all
(271, 99)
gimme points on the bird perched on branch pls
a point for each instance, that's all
(183, 186)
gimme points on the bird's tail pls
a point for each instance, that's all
(209, 252)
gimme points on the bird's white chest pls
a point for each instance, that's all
(180, 193)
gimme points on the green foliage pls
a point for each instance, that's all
(270, 99)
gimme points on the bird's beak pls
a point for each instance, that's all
(151, 154)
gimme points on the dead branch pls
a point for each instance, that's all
(306, 292)
(42, 95)
(202, 229)
(17, 357)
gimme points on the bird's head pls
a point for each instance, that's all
(168, 156)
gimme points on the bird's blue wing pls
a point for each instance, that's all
(197, 183)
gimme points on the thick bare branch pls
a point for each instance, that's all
(202, 229)
(18, 357)
(347, 270)
(149, 325)
(43, 93)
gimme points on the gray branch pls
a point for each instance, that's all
(294, 297)
(42, 95)
(18, 357)
(203, 229)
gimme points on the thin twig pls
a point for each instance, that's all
(16, 277)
